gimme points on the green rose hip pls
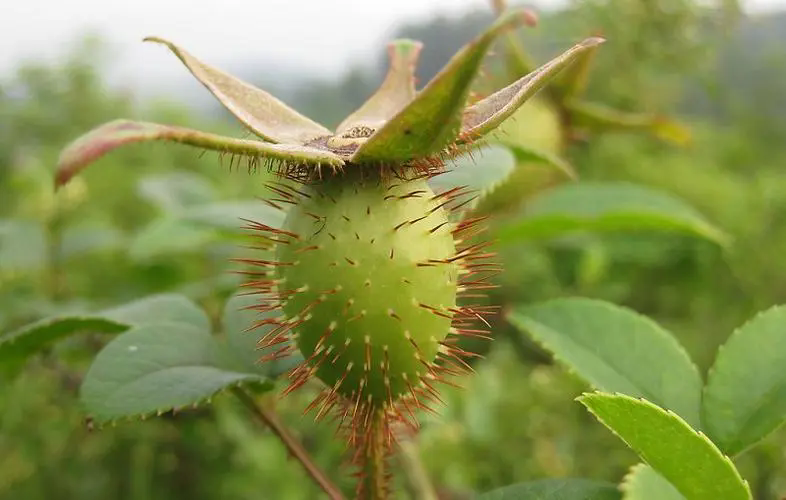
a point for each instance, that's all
(371, 283)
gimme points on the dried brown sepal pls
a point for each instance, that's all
(261, 112)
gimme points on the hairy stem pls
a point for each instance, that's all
(295, 448)
(374, 482)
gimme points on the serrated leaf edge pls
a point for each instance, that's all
(694, 222)
(713, 368)
(725, 458)
(627, 479)
(11, 337)
(571, 370)
(251, 379)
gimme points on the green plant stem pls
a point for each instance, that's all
(295, 448)
(54, 244)
(418, 478)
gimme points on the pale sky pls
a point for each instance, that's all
(323, 35)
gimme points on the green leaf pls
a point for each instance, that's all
(480, 171)
(615, 349)
(683, 456)
(524, 153)
(745, 395)
(16, 347)
(265, 115)
(490, 166)
(105, 138)
(242, 337)
(168, 235)
(232, 215)
(555, 489)
(396, 91)
(431, 121)
(487, 114)
(175, 191)
(159, 308)
(191, 230)
(605, 206)
(208, 288)
(155, 368)
(643, 483)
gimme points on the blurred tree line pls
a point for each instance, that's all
(115, 235)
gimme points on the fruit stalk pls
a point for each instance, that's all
(376, 478)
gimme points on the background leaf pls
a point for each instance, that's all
(190, 230)
(686, 458)
(745, 395)
(155, 368)
(166, 307)
(242, 343)
(17, 346)
(168, 235)
(643, 483)
(605, 206)
(615, 349)
(555, 489)
(480, 171)
(526, 153)
(228, 215)
(22, 246)
(175, 191)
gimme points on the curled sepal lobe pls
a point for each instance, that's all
(105, 138)
(485, 115)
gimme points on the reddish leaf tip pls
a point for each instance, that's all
(592, 41)
(404, 46)
(529, 17)
(513, 18)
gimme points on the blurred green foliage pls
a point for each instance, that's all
(117, 234)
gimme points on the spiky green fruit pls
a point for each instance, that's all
(370, 282)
